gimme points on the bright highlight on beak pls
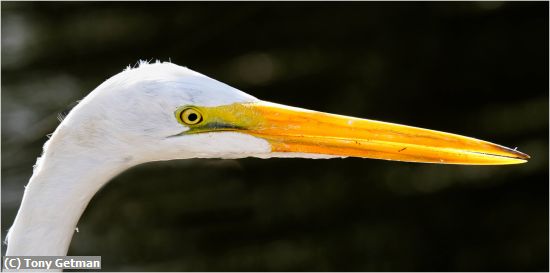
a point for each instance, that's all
(297, 130)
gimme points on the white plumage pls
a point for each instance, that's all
(124, 122)
(132, 118)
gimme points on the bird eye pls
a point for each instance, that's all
(190, 116)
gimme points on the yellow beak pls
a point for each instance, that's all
(290, 129)
(296, 130)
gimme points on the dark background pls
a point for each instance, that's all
(478, 69)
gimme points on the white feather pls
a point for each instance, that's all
(122, 123)
(129, 119)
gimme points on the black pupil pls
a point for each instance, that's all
(192, 117)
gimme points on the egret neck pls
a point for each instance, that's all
(60, 188)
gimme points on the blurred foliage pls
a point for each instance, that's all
(478, 68)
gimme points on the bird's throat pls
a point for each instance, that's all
(59, 190)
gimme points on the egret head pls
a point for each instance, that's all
(162, 111)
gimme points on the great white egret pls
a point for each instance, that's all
(162, 111)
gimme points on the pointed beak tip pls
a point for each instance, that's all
(517, 157)
(514, 153)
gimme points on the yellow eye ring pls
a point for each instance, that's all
(190, 116)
